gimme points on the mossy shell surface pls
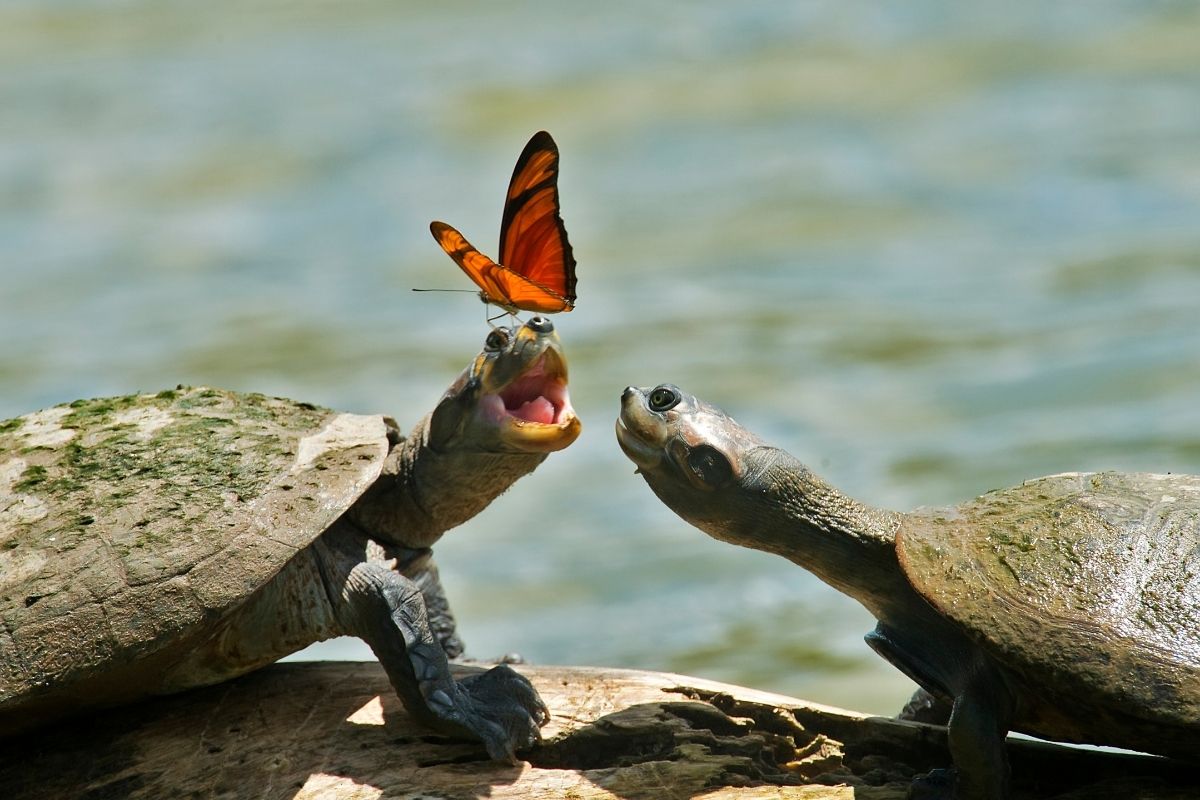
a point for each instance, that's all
(1085, 586)
(126, 522)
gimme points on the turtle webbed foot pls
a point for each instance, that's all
(499, 706)
(388, 611)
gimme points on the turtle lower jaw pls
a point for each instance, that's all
(539, 437)
(533, 412)
(643, 454)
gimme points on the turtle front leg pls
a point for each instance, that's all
(417, 565)
(437, 610)
(976, 731)
(976, 734)
(499, 707)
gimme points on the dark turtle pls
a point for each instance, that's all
(157, 542)
(1067, 607)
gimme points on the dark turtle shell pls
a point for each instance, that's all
(1086, 586)
(127, 521)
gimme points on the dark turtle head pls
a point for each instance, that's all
(696, 458)
(512, 399)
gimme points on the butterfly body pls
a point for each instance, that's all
(536, 271)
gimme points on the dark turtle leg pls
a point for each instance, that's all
(441, 618)
(976, 736)
(417, 565)
(499, 707)
(386, 609)
(437, 609)
(977, 722)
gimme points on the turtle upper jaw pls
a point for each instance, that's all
(533, 411)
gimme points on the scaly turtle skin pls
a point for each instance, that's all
(1067, 607)
(153, 543)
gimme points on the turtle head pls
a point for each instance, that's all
(732, 485)
(497, 422)
(512, 398)
(695, 457)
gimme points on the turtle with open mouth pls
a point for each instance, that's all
(157, 542)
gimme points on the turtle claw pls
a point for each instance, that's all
(500, 707)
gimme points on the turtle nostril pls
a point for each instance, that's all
(540, 324)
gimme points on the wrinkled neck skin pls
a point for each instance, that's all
(426, 489)
(849, 545)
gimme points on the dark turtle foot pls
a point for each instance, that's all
(499, 706)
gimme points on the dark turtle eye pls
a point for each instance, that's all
(496, 339)
(664, 398)
(709, 465)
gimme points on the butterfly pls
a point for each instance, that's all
(537, 268)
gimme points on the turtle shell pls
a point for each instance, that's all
(1085, 586)
(126, 522)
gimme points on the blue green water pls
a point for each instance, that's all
(930, 248)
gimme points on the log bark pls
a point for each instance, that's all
(335, 731)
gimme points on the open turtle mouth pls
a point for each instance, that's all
(538, 395)
(534, 409)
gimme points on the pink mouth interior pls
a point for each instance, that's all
(533, 397)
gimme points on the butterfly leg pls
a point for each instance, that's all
(516, 321)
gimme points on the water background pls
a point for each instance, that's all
(931, 248)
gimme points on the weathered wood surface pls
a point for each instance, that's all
(334, 731)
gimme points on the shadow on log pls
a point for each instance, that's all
(334, 731)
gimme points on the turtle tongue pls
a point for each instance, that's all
(535, 396)
(537, 410)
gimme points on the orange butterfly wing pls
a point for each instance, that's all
(533, 239)
(537, 272)
(486, 273)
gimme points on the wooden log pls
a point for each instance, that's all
(335, 731)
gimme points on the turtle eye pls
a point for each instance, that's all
(496, 339)
(664, 398)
